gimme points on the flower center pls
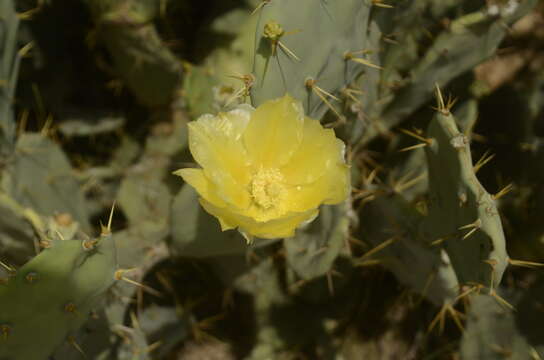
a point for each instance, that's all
(266, 188)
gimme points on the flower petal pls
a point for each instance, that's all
(216, 146)
(266, 171)
(273, 229)
(205, 188)
(318, 151)
(274, 132)
(283, 227)
(339, 184)
(331, 188)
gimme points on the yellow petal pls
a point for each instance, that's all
(283, 227)
(319, 150)
(266, 171)
(206, 189)
(215, 144)
(331, 188)
(339, 184)
(273, 229)
(274, 132)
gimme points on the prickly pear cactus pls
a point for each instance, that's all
(53, 295)
(460, 239)
(419, 238)
(462, 215)
(9, 67)
(39, 176)
(310, 54)
(147, 66)
(466, 42)
(400, 248)
(313, 251)
(495, 331)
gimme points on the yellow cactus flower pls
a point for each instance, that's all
(265, 171)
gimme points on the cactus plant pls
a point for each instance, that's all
(460, 240)
(150, 70)
(468, 41)
(494, 331)
(59, 286)
(423, 268)
(287, 61)
(313, 251)
(460, 209)
(9, 67)
(40, 176)
(419, 227)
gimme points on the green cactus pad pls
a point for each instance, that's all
(311, 253)
(9, 68)
(470, 40)
(423, 268)
(52, 296)
(320, 37)
(495, 332)
(461, 212)
(40, 176)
